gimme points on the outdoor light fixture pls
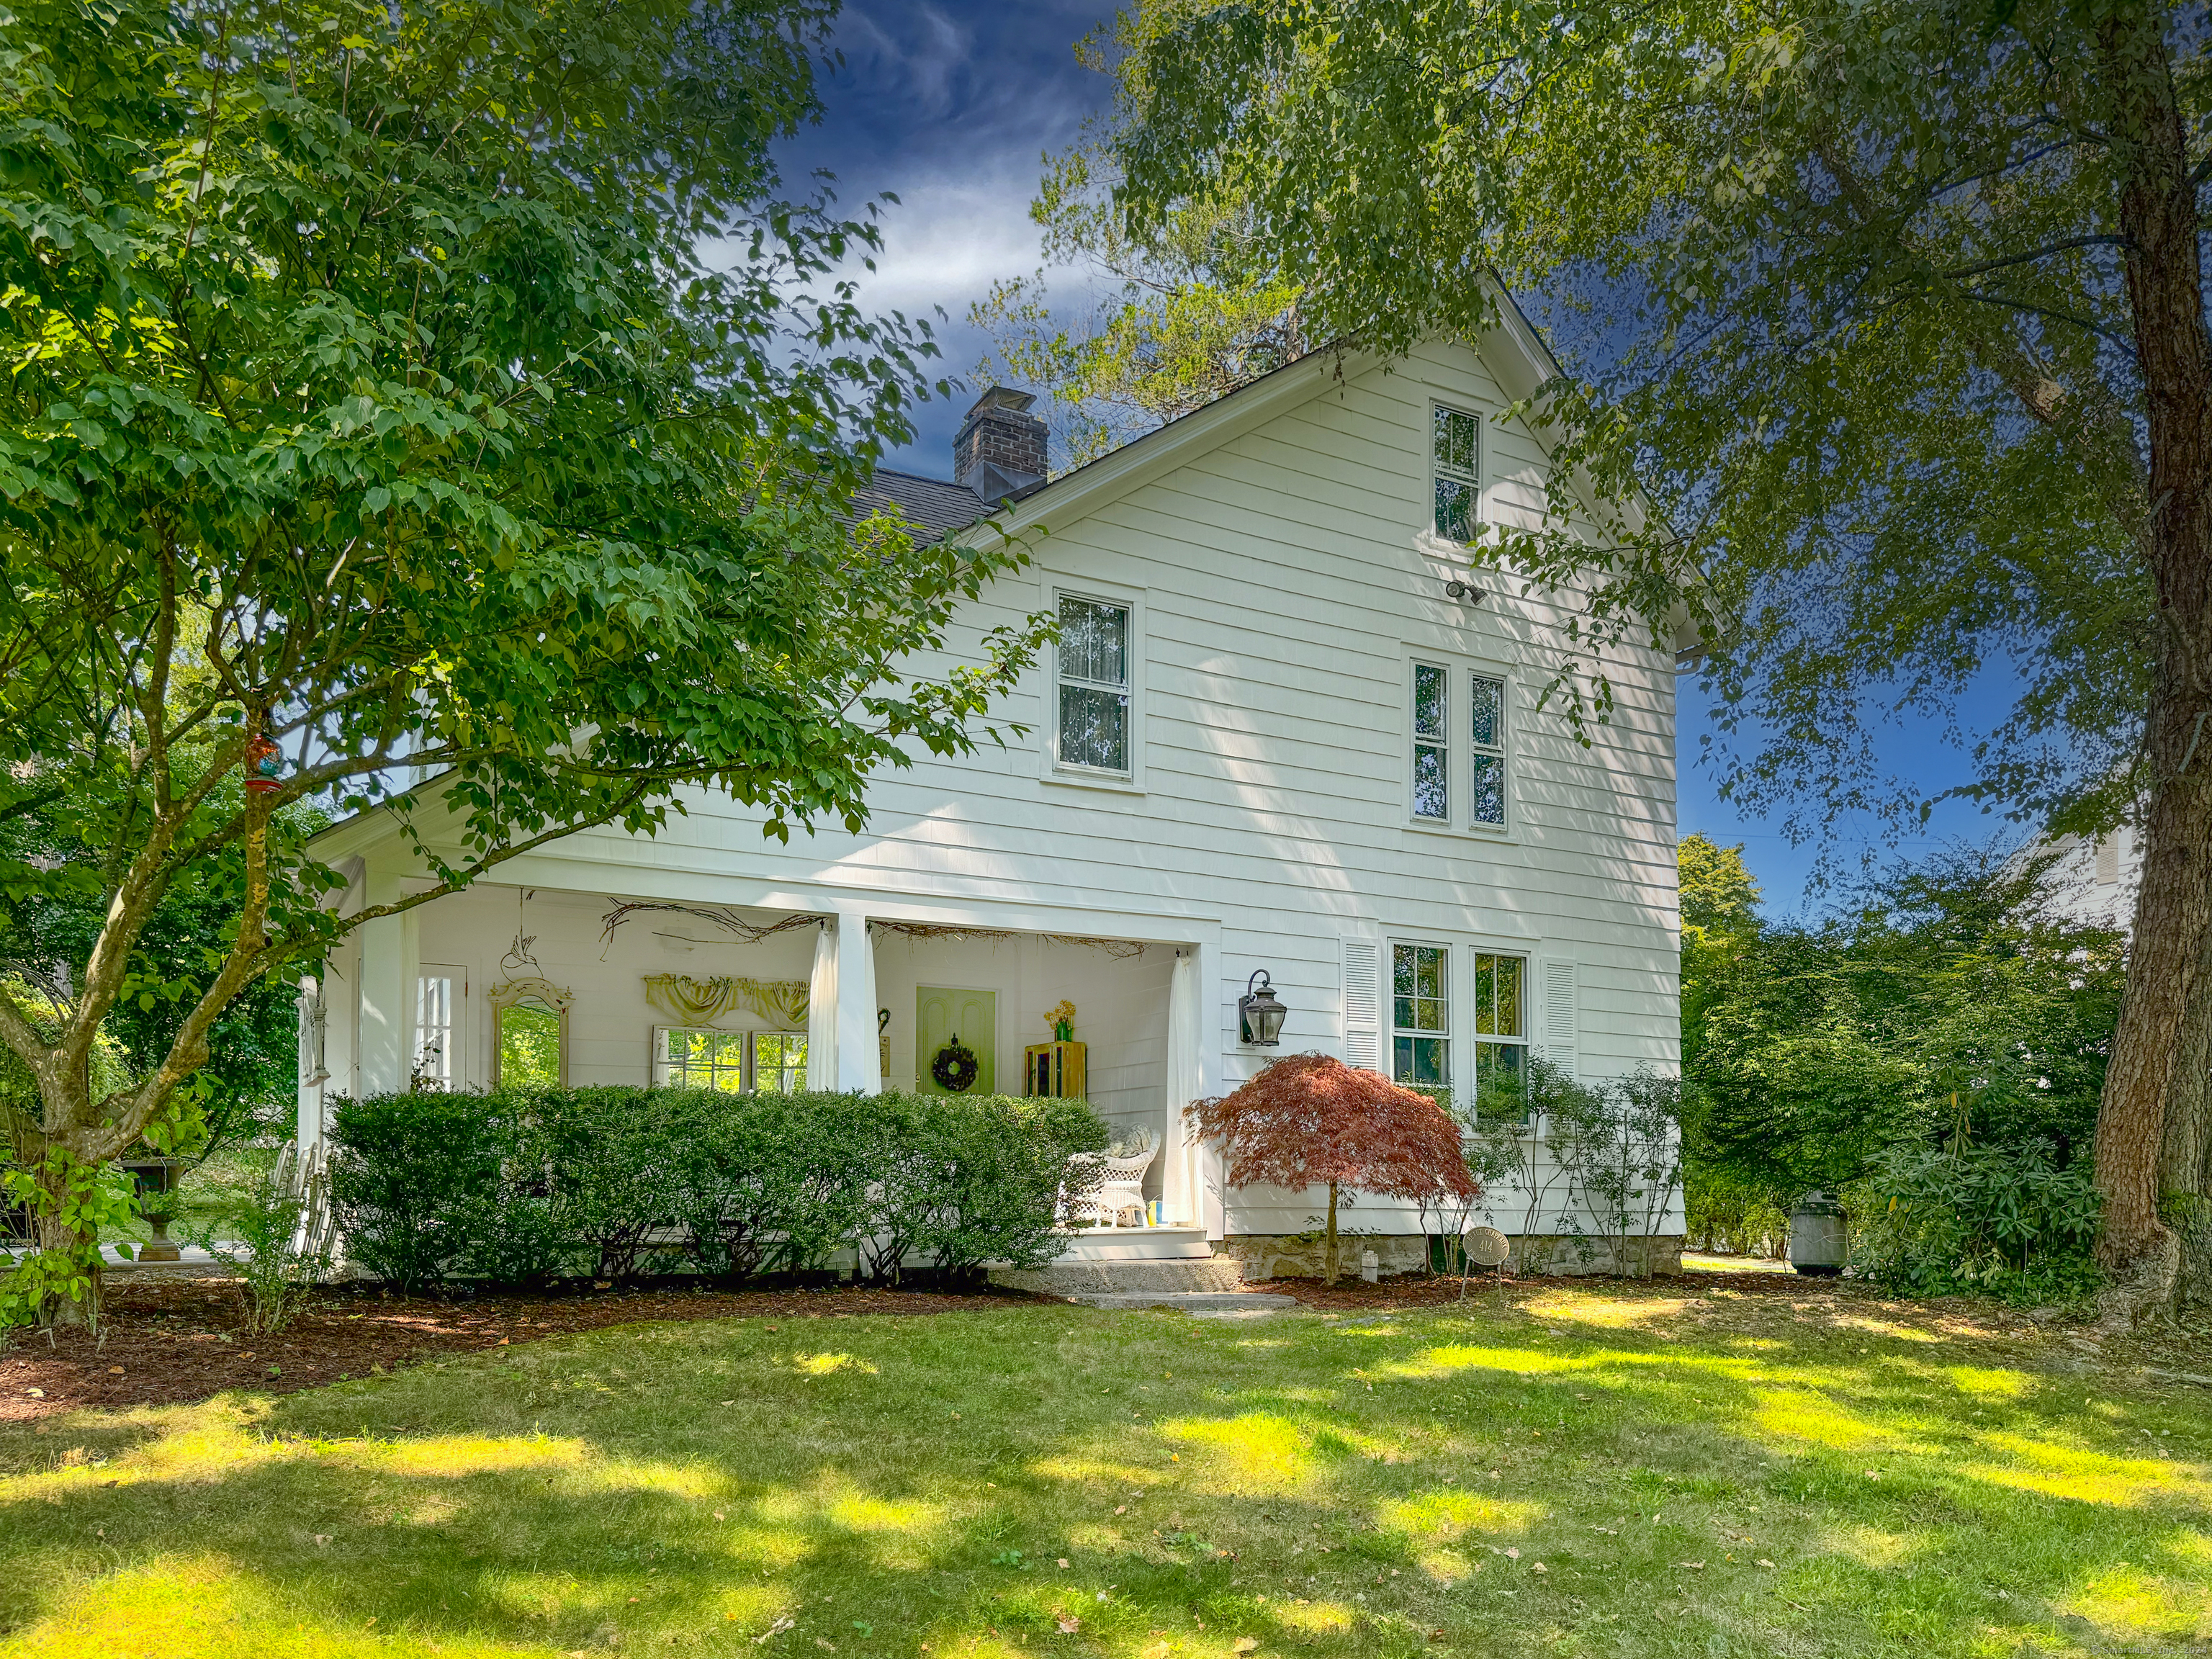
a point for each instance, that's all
(1457, 589)
(1259, 1016)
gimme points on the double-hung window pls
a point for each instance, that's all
(1501, 1031)
(1431, 743)
(1459, 761)
(1457, 456)
(1420, 1018)
(1486, 761)
(1092, 729)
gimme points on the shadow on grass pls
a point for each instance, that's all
(1487, 1481)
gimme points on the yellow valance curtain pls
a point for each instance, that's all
(693, 1001)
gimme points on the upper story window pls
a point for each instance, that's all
(1485, 769)
(1458, 457)
(1431, 742)
(1092, 728)
(1459, 761)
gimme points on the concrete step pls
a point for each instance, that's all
(1091, 1277)
(1138, 1244)
(1199, 1304)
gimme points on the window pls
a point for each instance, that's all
(689, 1059)
(1458, 456)
(1420, 1019)
(735, 1062)
(434, 1032)
(1485, 780)
(779, 1062)
(1501, 1028)
(1093, 730)
(1431, 744)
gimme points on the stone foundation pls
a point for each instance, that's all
(1298, 1257)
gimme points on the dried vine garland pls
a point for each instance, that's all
(1120, 948)
(728, 919)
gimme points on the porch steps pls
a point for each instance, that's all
(1093, 1276)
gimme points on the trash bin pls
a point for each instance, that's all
(1817, 1243)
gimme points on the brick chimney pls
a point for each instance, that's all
(1000, 451)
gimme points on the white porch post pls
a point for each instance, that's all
(1179, 1187)
(822, 1010)
(387, 1012)
(1208, 1208)
(858, 1067)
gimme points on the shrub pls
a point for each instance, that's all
(277, 1231)
(520, 1185)
(407, 1173)
(1999, 1220)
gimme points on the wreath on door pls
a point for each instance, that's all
(956, 1067)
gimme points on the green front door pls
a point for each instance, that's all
(940, 1015)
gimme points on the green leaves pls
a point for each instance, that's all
(413, 428)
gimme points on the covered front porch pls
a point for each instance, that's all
(507, 983)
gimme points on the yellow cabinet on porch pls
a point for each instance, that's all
(1054, 1070)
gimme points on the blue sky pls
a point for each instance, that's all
(951, 104)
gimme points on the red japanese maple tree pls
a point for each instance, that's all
(1309, 1120)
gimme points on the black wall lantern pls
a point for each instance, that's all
(1259, 1016)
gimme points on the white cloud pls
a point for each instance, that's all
(948, 241)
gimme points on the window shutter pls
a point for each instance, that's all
(1363, 1003)
(1562, 1016)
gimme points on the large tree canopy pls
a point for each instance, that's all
(1896, 311)
(374, 413)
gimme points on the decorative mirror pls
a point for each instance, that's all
(530, 1035)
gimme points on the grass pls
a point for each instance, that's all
(1589, 1472)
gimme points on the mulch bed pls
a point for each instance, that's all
(170, 1338)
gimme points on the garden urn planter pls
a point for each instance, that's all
(159, 1248)
(1817, 1244)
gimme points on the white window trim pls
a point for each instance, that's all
(458, 1071)
(1129, 782)
(1459, 746)
(1436, 473)
(1530, 990)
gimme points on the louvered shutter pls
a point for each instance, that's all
(1363, 1003)
(1562, 1016)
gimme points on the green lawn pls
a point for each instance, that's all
(1593, 1472)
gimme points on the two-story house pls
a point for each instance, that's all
(1288, 729)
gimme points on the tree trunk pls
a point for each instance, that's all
(2173, 909)
(1328, 1253)
(56, 1235)
(2184, 1178)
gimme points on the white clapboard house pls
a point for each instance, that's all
(1276, 737)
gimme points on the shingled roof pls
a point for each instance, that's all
(937, 506)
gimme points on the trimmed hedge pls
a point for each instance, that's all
(522, 1186)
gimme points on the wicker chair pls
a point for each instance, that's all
(1101, 1186)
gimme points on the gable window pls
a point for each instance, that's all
(1092, 729)
(1501, 1026)
(1420, 1019)
(1486, 777)
(1458, 457)
(1431, 743)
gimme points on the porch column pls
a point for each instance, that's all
(1178, 1187)
(387, 1012)
(858, 1067)
(822, 1010)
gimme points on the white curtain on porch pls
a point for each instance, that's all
(1184, 1084)
(822, 1010)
